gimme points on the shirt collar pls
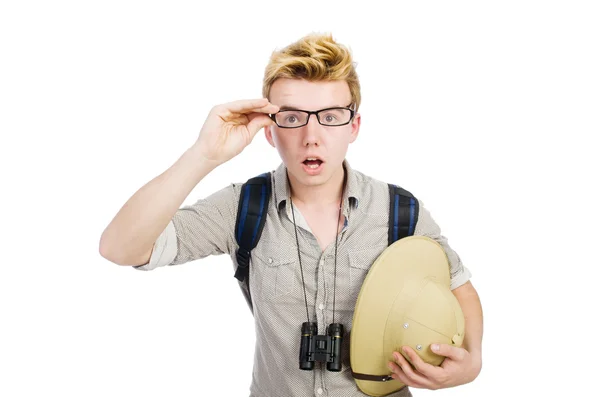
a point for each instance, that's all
(351, 192)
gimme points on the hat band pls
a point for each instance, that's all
(375, 378)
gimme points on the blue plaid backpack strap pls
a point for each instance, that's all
(404, 213)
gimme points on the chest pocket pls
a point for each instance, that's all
(360, 263)
(275, 268)
(351, 278)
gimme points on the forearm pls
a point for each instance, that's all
(471, 306)
(135, 228)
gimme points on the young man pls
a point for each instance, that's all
(326, 223)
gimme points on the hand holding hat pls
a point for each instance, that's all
(458, 368)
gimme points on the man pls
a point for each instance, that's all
(326, 223)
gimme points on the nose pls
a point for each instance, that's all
(312, 135)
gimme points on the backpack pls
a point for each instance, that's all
(252, 213)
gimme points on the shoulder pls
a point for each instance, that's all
(367, 185)
(375, 189)
(237, 191)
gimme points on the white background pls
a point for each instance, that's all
(489, 112)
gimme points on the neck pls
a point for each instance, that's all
(319, 196)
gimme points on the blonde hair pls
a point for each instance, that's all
(315, 57)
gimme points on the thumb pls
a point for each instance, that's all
(453, 352)
(257, 122)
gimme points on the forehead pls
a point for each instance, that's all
(309, 95)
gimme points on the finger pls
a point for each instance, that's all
(248, 106)
(408, 370)
(453, 352)
(421, 366)
(257, 122)
(399, 375)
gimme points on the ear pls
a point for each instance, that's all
(355, 127)
(269, 135)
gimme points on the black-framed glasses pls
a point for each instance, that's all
(330, 117)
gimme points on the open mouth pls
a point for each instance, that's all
(312, 162)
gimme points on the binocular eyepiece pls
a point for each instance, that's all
(321, 348)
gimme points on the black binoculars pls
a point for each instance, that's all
(321, 348)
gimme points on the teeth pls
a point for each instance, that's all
(313, 166)
(311, 158)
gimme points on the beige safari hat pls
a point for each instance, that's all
(405, 300)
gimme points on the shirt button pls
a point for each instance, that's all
(321, 306)
(319, 391)
(270, 260)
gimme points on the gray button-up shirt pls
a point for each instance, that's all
(207, 228)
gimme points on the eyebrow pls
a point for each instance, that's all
(288, 107)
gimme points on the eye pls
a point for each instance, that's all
(330, 117)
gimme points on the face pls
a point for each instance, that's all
(328, 144)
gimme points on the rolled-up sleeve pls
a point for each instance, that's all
(197, 231)
(426, 226)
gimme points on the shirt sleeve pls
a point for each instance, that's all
(426, 226)
(197, 231)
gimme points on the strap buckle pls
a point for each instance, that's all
(243, 259)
